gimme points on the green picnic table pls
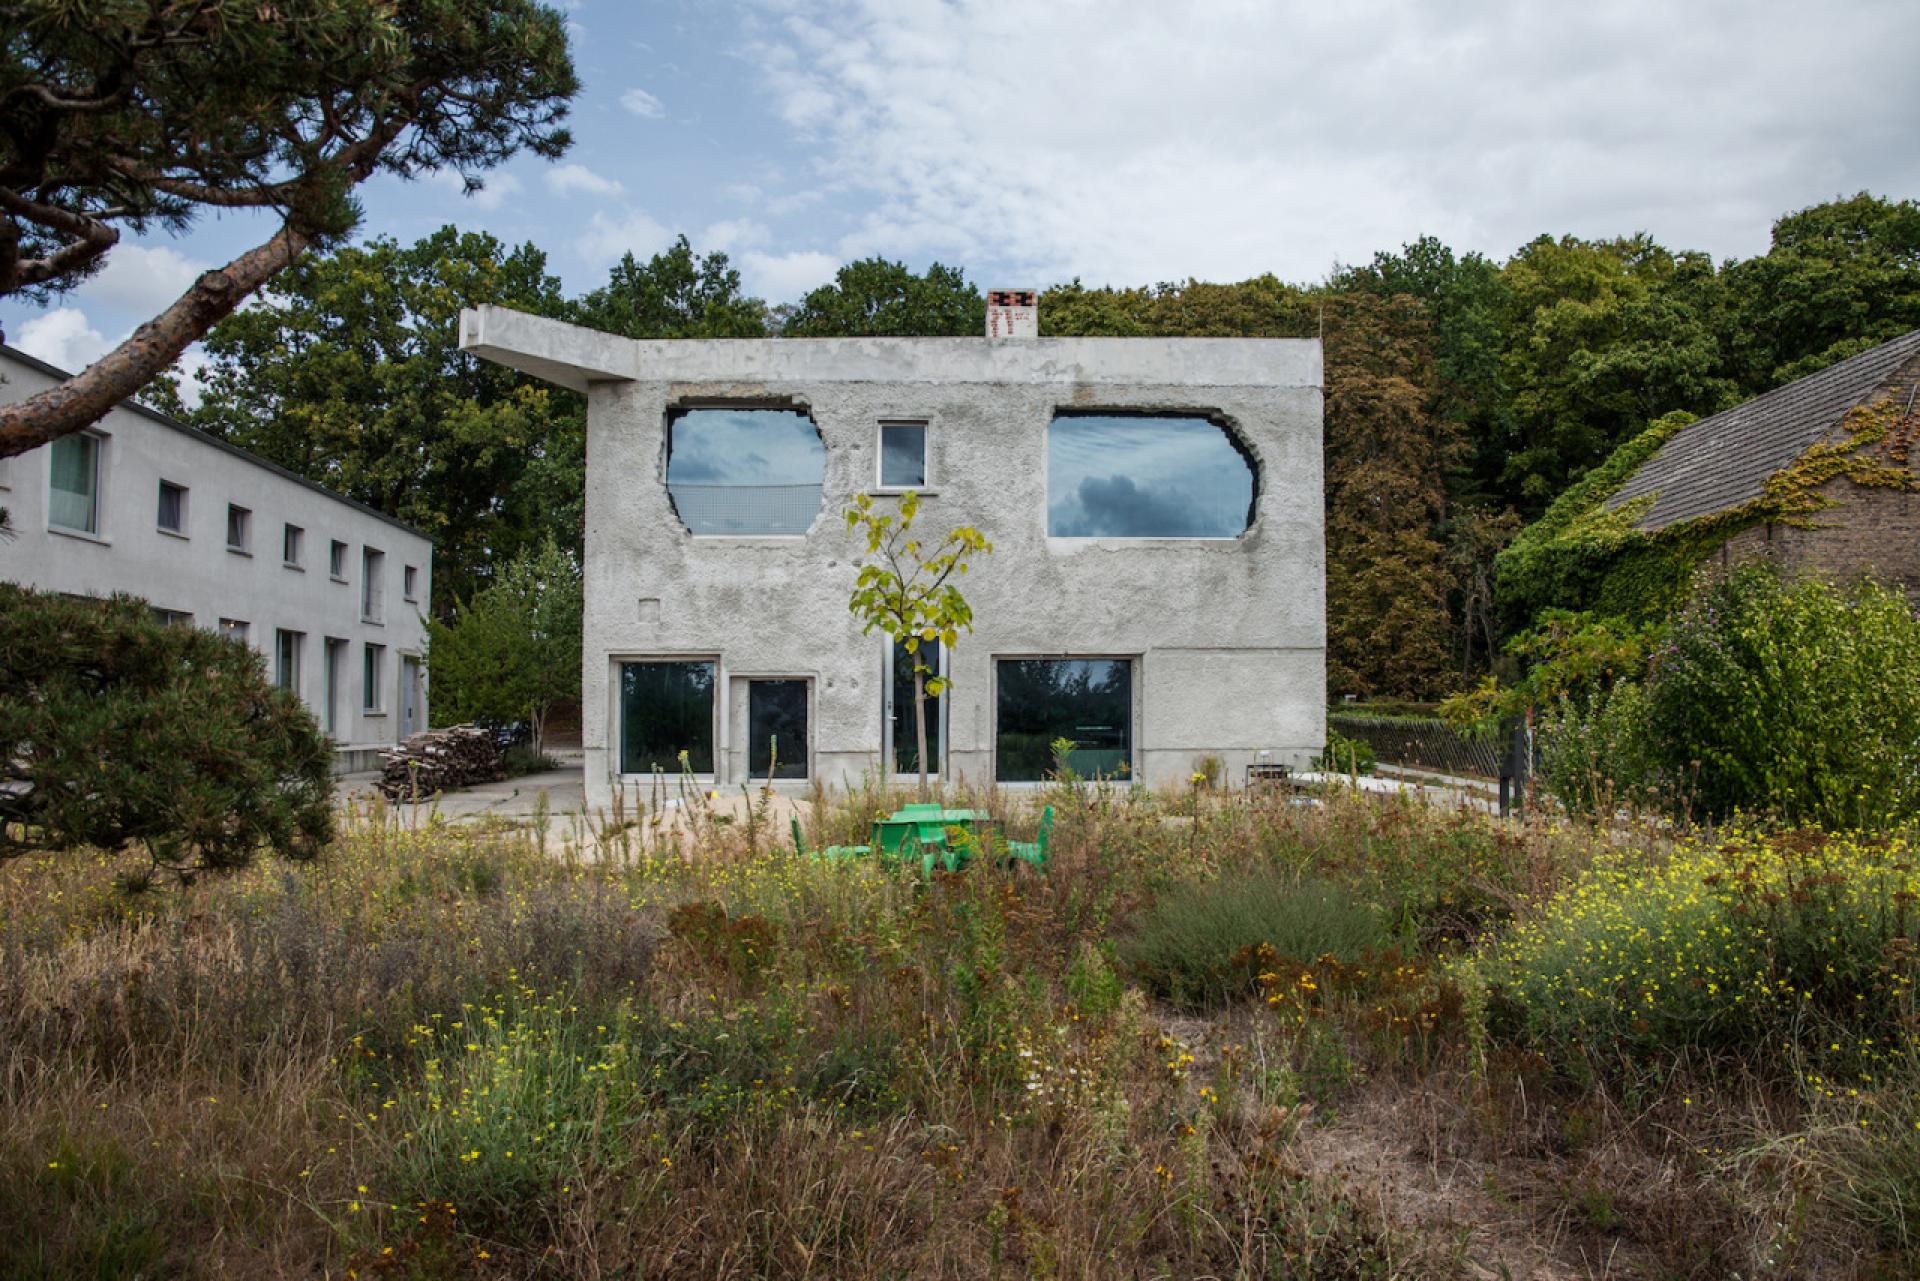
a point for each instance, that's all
(925, 833)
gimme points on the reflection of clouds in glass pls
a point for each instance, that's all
(745, 447)
(1138, 477)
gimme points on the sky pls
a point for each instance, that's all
(1135, 141)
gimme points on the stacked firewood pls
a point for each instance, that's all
(439, 760)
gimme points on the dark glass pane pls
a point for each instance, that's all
(906, 746)
(903, 455)
(1122, 476)
(171, 516)
(777, 722)
(666, 709)
(745, 471)
(1086, 700)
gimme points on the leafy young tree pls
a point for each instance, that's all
(141, 114)
(513, 652)
(874, 297)
(118, 731)
(905, 589)
(349, 372)
(677, 294)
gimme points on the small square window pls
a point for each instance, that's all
(337, 560)
(239, 528)
(172, 516)
(292, 539)
(234, 629)
(903, 455)
(74, 501)
(410, 583)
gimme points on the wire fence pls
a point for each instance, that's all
(746, 509)
(1421, 742)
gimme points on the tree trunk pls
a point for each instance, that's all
(920, 723)
(85, 398)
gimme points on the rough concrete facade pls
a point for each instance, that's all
(193, 575)
(1226, 637)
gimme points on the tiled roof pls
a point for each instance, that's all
(1725, 460)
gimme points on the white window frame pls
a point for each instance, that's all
(293, 538)
(880, 485)
(941, 705)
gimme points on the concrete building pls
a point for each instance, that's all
(1719, 464)
(331, 593)
(1156, 593)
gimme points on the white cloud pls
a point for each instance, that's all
(572, 179)
(140, 279)
(635, 232)
(731, 235)
(642, 103)
(785, 277)
(1226, 138)
(494, 190)
(63, 337)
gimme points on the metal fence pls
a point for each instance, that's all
(1421, 742)
(746, 509)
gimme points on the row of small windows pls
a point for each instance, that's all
(289, 655)
(752, 471)
(74, 505)
(667, 717)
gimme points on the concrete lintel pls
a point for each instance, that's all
(572, 356)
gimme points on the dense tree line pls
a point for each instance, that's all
(1462, 394)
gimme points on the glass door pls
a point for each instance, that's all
(777, 729)
(902, 743)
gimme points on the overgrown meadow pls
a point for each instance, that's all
(1221, 1036)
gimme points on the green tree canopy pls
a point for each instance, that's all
(512, 652)
(676, 294)
(142, 114)
(349, 372)
(874, 297)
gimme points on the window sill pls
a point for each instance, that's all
(366, 711)
(372, 622)
(900, 491)
(338, 579)
(239, 551)
(80, 534)
(294, 566)
(172, 533)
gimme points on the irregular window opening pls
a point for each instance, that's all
(1086, 701)
(666, 708)
(1147, 476)
(745, 471)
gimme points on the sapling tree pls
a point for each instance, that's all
(906, 589)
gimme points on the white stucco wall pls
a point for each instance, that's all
(1227, 637)
(195, 573)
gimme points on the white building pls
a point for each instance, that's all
(331, 593)
(1155, 598)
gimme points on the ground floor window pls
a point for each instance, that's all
(1086, 701)
(666, 708)
(777, 729)
(906, 743)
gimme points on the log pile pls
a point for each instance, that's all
(439, 760)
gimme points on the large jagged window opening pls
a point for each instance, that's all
(745, 471)
(1115, 475)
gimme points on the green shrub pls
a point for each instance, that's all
(1194, 945)
(1792, 697)
(118, 730)
(520, 760)
(1779, 951)
(1343, 755)
(1595, 758)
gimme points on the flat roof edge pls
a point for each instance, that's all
(572, 356)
